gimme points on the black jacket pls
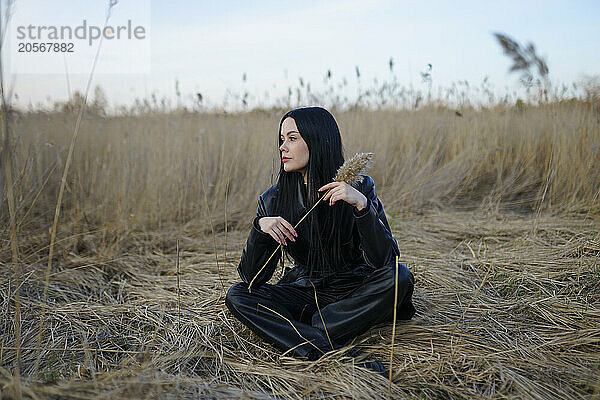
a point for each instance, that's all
(367, 244)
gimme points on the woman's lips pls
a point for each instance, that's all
(285, 159)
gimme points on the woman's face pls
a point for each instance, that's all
(294, 150)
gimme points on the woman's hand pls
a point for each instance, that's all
(278, 228)
(344, 191)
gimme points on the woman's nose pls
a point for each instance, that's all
(283, 147)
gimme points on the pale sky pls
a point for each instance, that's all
(209, 45)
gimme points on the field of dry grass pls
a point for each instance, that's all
(496, 212)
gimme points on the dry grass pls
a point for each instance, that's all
(508, 303)
(531, 331)
(143, 172)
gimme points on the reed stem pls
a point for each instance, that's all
(278, 246)
(393, 329)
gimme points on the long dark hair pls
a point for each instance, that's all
(320, 131)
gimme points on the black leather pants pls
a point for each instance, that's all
(286, 314)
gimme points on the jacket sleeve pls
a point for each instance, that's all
(257, 250)
(378, 246)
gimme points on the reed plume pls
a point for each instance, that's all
(525, 60)
(349, 172)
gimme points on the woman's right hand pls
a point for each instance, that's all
(278, 228)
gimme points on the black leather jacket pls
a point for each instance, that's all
(367, 245)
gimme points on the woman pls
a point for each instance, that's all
(344, 254)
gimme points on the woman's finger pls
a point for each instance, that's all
(280, 235)
(327, 186)
(289, 228)
(285, 232)
(333, 199)
(273, 234)
(330, 193)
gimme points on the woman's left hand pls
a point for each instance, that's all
(346, 192)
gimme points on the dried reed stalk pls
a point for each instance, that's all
(212, 230)
(178, 293)
(13, 238)
(393, 329)
(61, 191)
(8, 163)
(349, 172)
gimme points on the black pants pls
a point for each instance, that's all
(286, 314)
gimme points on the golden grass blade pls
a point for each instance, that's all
(291, 324)
(263, 267)
(321, 315)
